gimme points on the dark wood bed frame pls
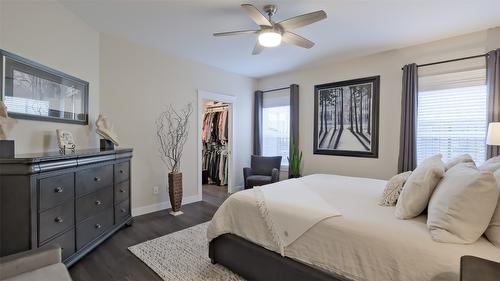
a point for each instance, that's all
(254, 262)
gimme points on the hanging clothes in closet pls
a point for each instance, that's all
(214, 140)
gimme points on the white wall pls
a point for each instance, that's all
(53, 36)
(136, 84)
(388, 66)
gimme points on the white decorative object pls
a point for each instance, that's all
(65, 140)
(6, 123)
(462, 205)
(419, 187)
(464, 158)
(493, 136)
(493, 230)
(492, 164)
(393, 189)
(105, 129)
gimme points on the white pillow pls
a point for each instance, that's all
(393, 189)
(464, 158)
(419, 187)
(462, 205)
(496, 174)
(493, 230)
(491, 164)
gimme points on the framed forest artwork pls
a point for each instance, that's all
(346, 117)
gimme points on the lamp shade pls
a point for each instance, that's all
(493, 136)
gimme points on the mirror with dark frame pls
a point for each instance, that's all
(36, 92)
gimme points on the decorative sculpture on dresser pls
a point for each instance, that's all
(6, 125)
(105, 130)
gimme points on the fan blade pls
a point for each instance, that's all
(257, 49)
(240, 32)
(292, 38)
(303, 20)
(256, 15)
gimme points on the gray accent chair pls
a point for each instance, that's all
(264, 170)
(42, 264)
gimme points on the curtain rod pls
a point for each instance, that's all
(452, 60)
(273, 90)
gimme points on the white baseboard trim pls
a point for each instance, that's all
(162, 206)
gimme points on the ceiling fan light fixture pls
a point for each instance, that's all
(269, 38)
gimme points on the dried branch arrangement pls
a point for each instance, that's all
(172, 132)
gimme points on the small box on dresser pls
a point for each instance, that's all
(75, 200)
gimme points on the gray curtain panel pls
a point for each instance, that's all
(257, 122)
(294, 117)
(408, 135)
(493, 84)
(294, 113)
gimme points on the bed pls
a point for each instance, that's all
(366, 242)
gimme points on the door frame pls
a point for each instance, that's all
(203, 97)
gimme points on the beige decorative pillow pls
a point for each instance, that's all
(491, 164)
(393, 189)
(493, 230)
(462, 205)
(419, 187)
(464, 158)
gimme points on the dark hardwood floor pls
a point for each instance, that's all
(112, 261)
(214, 194)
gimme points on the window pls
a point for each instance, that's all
(276, 125)
(452, 115)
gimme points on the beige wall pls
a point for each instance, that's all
(51, 35)
(388, 66)
(136, 84)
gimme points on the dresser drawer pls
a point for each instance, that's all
(122, 171)
(91, 228)
(55, 190)
(66, 241)
(93, 203)
(122, 211)
(55, 220)
(122, 191)
(92, 179)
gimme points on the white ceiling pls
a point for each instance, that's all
(353, 27)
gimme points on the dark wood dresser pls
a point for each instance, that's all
(75, 200)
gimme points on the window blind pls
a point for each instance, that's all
(276, 99)
(451, 116)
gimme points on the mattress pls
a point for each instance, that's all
(367, 242)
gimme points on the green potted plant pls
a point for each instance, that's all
(294, 161)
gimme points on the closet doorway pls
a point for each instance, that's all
(215, 146)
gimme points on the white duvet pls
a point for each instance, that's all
(366, 243)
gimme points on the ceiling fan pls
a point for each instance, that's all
(272, 33)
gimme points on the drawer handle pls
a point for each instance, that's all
(97, 179)
(58, 189)
(122, 210)
(98, 202)
(98, 226)
(122, 171)
(58, 220)
(122, 190)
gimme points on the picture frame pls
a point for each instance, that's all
(65, 141)
(346, 118)
(36, 92)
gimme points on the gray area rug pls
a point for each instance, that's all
(182, 255)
